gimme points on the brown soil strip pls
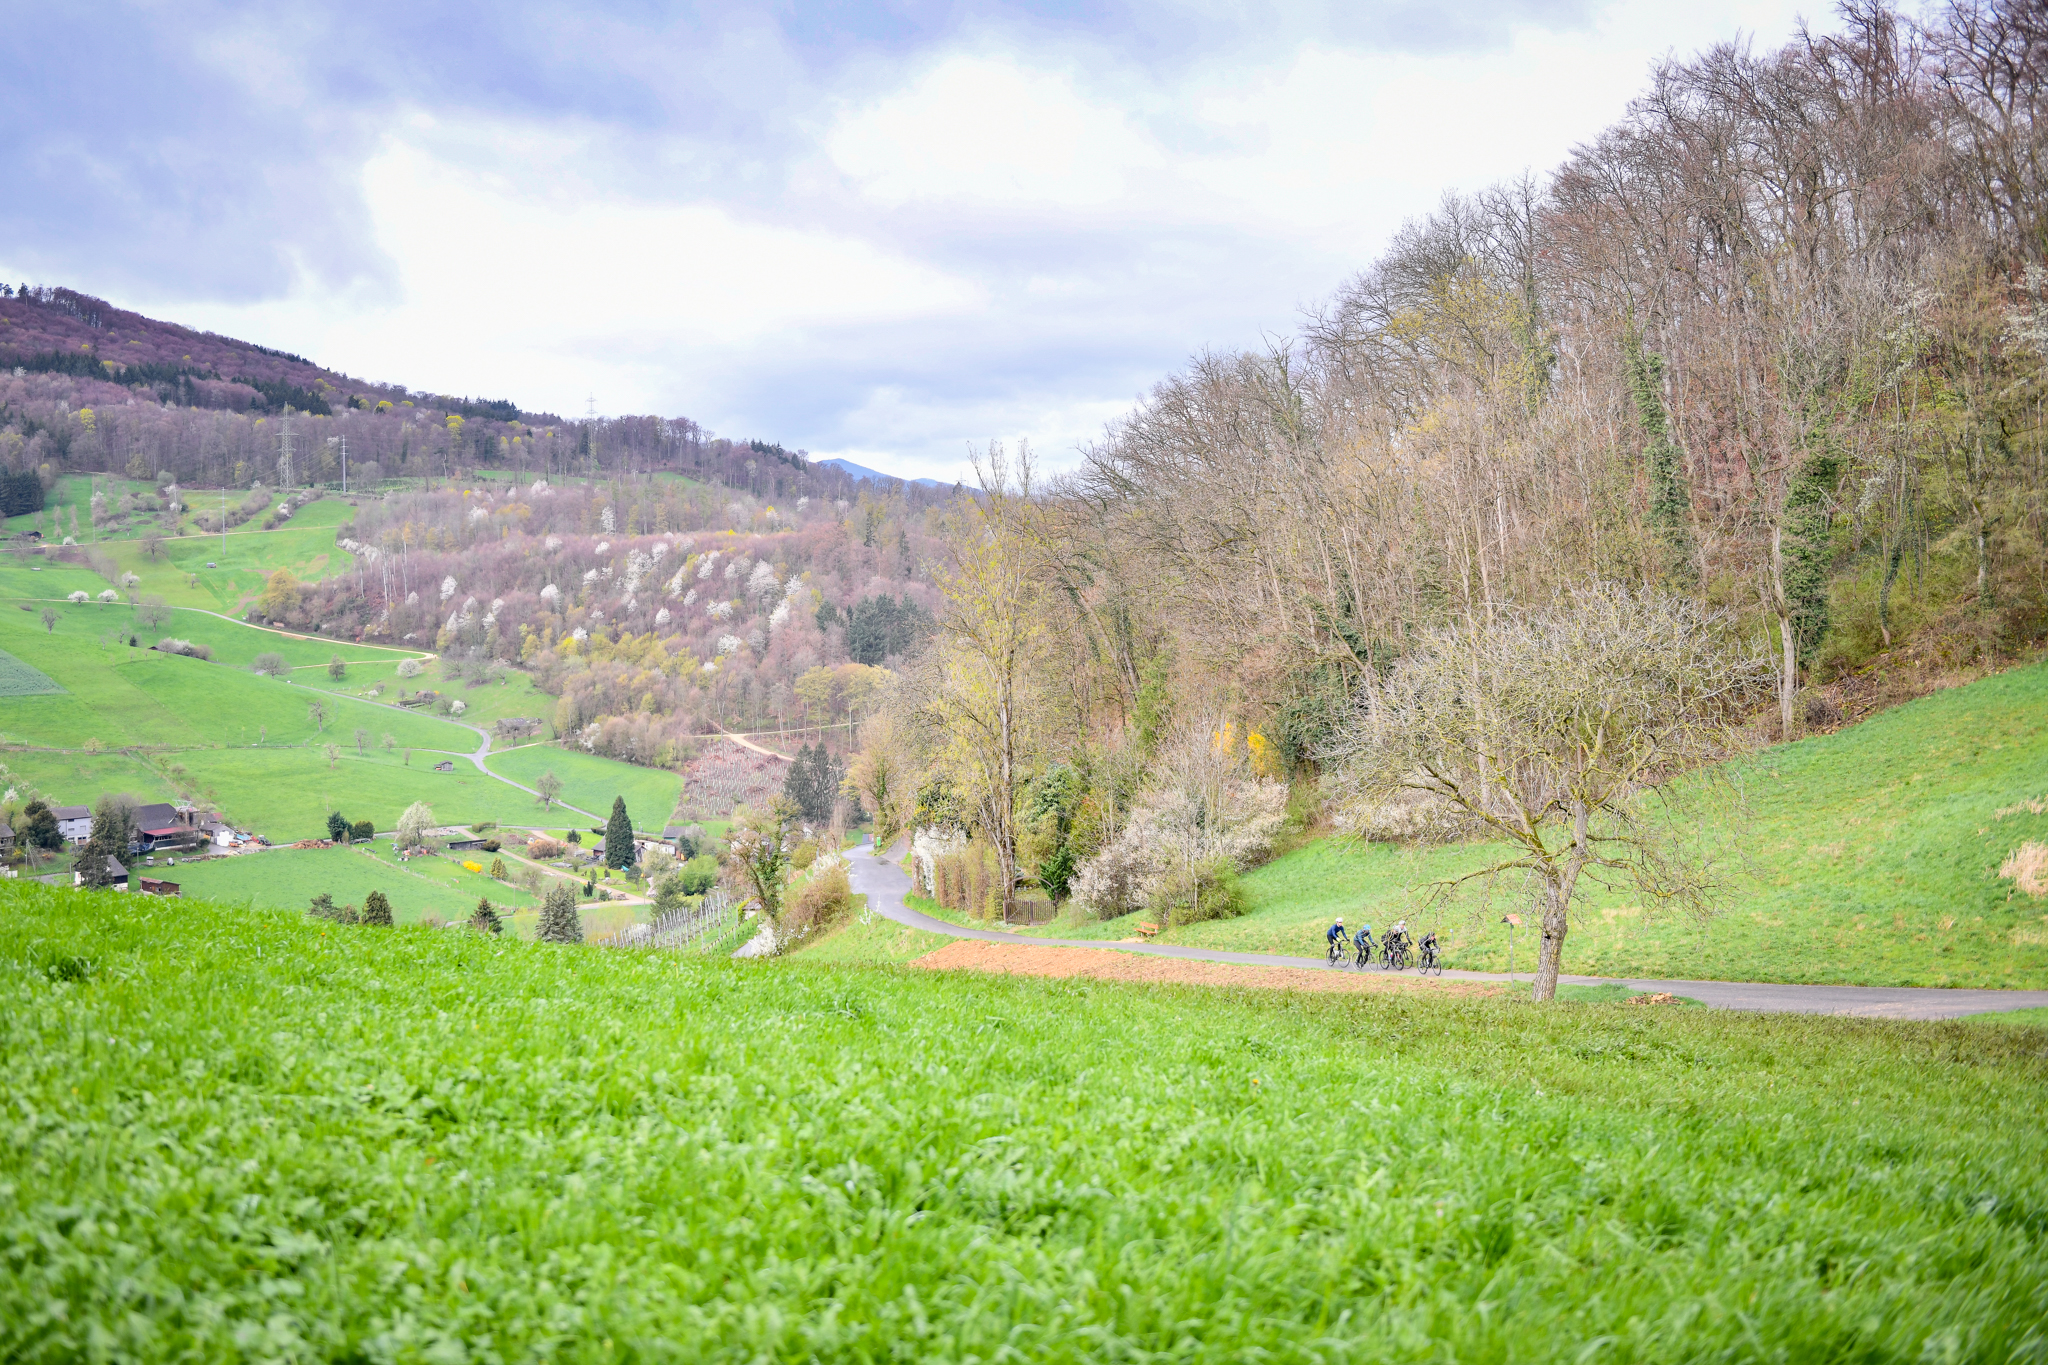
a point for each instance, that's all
(1107, 964)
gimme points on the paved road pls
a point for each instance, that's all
(884, 883)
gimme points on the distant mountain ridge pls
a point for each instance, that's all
(861, 473)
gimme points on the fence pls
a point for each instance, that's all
(690, 926)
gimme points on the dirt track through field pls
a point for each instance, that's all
(1011, 959)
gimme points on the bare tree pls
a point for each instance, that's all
(1568, 733)
(549, 786)
(50, 619)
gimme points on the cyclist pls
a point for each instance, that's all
(1397, 945)
(1429, 951)
(1364, 945)
(1334, 937)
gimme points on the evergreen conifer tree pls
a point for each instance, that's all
(107, 842)
(337, 827)
(486, 920)
(558, 919)
(377, 910)
(618, 836)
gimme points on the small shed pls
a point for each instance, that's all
(156, 886)
(445, 766)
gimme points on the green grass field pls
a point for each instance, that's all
(590, 782)
(127, 696)
(1875, 853)
(289, 879)
(286, 793)
(237, 1135)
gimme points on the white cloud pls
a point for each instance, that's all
(993, 237)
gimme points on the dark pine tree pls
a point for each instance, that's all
(618, 836)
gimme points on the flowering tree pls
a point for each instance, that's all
(1549, 730)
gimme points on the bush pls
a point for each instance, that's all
(323, 907)
(483, 827)
(363, 831)
(492, 846)
(377, 910)
(699, 875)
(468, 866)
(498, 869)
(171, 644)
(545, 848)
(1212, 892)
(824, 901)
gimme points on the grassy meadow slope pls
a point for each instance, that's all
(254, 1135)
(290, 878)
(1874, 856)
(590, 781)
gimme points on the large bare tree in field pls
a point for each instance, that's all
(1556, 732)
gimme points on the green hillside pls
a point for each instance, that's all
(589, 782)
(240, 1135)
(1874, 856)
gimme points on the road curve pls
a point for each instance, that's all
(884, 883)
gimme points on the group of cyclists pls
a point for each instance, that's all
(1394, 951)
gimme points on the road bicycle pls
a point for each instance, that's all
(1396, 955)
(1432, 960)
(1336, 953)
(1365, 950)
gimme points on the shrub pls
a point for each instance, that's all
(492, 845)
(825, 899)
(806, 854)
(1212, 891)
(363, 830)
(699, 875)
(498, 869)
(171, 644)
(468, 866)
(559, 922)
(545, 848)
(323, 907)
(483, 827)
(377, 910)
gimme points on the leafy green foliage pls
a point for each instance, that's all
(1807, 541)
(377, 910)
(531, 1153)
(338, 827)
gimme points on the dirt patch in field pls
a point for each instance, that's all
(1108, 964)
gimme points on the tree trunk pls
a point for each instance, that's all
(1788, 676)
(1550, 951)
(1558, 884)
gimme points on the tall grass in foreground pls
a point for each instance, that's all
(233, 1134)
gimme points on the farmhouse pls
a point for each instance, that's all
(117, 876)
(74, 822)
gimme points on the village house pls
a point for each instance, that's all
(117, 876)
(74, 822)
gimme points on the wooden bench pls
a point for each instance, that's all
(1148, 929)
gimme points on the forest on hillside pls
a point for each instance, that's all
(1752, 383)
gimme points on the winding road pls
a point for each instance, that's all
(885, 883)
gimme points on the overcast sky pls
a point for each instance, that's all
(881, 230)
